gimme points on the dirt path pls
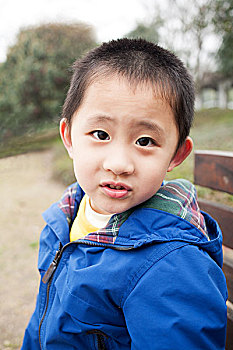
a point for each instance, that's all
(26, 190)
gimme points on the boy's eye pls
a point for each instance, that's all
(101, 135)
(145, 141)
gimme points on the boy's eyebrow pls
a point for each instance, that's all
(154, 127)
(99, 118)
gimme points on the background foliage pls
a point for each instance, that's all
(35, 76)
(187, 28)
(223, 21)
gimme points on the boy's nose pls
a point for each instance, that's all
(119, 163)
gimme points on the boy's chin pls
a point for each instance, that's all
(109, 209)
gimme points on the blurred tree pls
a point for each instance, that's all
(223, 21)
(35, 76)
(185, 28)
(223, 18)
(225, 55)
(194, 26)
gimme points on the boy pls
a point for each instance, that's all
(138, 266)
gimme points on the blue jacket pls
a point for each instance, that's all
(151, 279)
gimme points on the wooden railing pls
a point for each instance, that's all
(214, 169)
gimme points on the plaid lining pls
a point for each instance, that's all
(177, 197)
(189, 210)
(67, 202)
(109, 233)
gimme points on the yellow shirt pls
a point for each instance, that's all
(81, 227)
(87, 220)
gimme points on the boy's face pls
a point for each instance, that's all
(122, 143)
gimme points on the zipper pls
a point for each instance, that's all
(105, 245)
(101, 342)
(52, 267)
(48, 277)
(46, 307)
(100, 338)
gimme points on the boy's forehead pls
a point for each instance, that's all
(135, 110)
(115, 87)
(115, 80)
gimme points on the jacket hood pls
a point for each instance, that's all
(172, 214)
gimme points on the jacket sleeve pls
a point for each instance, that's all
(31, 336)
(178, 303)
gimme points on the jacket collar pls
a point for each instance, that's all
(171, 214)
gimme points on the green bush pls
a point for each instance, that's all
(35, 77)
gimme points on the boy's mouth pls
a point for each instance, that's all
(116, 187)
(115, 190)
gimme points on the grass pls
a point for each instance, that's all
(212, 130)
(28, 143)
(34, 245)
(9, 346)
(206, 136)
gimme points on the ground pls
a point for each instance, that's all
(26, 189)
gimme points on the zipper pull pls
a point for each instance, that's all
(52, 267)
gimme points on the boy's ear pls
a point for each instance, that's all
(182, 153)
(65, 136)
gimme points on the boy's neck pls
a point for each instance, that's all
(95, 218)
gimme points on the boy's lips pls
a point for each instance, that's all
(115, 189)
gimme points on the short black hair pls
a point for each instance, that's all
(139, 61)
